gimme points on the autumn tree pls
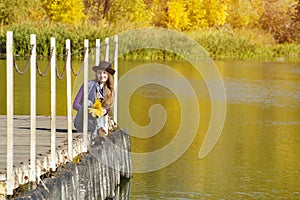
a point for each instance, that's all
(194, 14)
(244, 13)
(157, 9)
(97, 9)
(295, 26)
(216, 12)
(69, 12)
(133, 11)
(177, 15)
(278, 18)
(20, 11)
(197, 14)
(118, 11)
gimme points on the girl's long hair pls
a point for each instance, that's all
(109, 92)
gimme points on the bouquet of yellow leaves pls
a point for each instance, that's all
(96, 110)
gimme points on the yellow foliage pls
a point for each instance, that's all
(216, 12)
(70, 12)
(157, 9)
(243, 13)
(118, 11)
(279, 17)
(177, 16)
(193, 14)
(197, 13)
(138, 12)
(20, 11)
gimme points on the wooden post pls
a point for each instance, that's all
(53, 103)
(69, 99)
(107, 60)
(10, 112)
(85, 94)
(32, 107)
(107, 49)
(97, 52)
(115, 107)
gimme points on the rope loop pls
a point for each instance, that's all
(60, 77)
(21, 72)
(82, 63)
(48, 65)
(43, 74)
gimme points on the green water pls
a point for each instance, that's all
(257, 155)
(22, 90)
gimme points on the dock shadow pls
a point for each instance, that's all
(48, 129)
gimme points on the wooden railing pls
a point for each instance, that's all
(10, 179)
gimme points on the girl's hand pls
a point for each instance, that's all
(90, 103)
(103, 111)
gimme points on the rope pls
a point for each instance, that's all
(82, 63)
(43, 74)
(60, 77)
(48, 66)
(21, 72)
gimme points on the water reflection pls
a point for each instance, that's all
(257, 155)
(122, 191)
(258, 152)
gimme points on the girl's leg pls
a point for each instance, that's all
(101, 126)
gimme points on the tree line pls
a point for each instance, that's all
(277, 17)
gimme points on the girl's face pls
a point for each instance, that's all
(102, 76)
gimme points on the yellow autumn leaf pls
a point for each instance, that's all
(96, 110)
(97, 104)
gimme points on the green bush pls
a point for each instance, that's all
(220, 44)
(61, 32)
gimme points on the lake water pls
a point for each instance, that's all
(257, 155)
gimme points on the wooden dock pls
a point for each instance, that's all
(21, 154)
(49, 138)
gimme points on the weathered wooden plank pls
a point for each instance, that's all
(21, 146)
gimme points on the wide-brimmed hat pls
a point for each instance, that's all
(104, 65)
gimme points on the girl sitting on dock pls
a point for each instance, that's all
(100, 100)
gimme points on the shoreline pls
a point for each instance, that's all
(220, 44)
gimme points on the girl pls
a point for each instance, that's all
(100, 88)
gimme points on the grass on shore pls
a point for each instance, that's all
(220, 44)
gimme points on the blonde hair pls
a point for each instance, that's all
(109, 92)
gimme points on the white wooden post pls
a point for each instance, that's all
(69, 100)
(32, 107)
(53, 103)
(85, 94)
(115, 107)
(107, 49)
(107, 60)
(10, 112)
(97, 61)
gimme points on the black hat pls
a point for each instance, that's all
(103, 65)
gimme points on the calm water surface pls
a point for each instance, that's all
(257, 155)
